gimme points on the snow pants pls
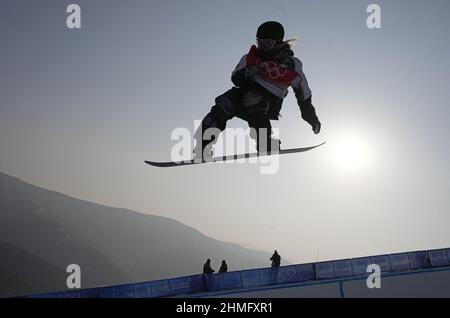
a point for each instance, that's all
(256, 106)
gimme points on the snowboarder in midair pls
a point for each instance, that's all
(261, 80)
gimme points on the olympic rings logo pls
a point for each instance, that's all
(272, 69)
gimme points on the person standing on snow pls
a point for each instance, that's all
(207, 270)
(261, 80)
(223, 267)
(276, 259)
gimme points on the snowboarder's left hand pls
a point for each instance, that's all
(316, 127)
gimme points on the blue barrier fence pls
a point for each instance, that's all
(397, 262)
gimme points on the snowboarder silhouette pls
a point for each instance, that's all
(261, 80)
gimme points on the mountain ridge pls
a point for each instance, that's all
(112, 245)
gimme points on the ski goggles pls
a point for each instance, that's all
(266, 44)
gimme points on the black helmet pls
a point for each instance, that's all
(270, 30)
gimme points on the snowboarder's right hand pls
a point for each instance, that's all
(251, 71)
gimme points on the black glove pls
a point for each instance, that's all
(309, 114)
(243, 76)
(316, 126)
(251, 71)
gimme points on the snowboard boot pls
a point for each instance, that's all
(202, 154)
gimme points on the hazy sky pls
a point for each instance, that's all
(80, 111)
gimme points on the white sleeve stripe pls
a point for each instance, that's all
(301, 82)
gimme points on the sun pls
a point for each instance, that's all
(352, 153)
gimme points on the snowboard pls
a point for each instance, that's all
(231, 157)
